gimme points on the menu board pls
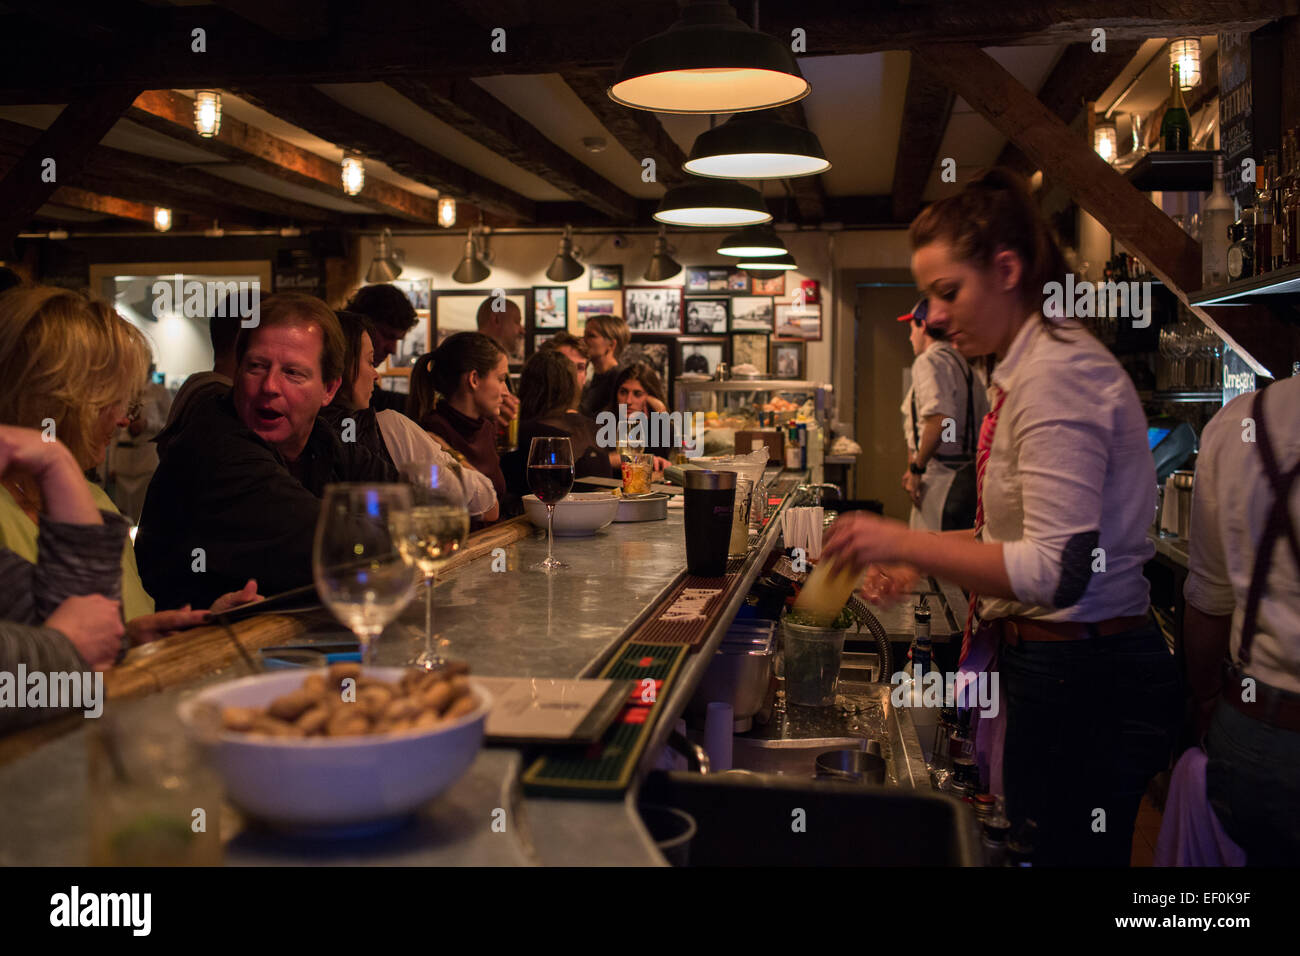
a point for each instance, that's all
(1235, 113)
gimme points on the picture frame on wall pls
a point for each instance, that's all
(749, 348)
(584, 304)
(653, 309)
(697, 279)
(773, 284)
(416, 292)
(737, 281)
(605, 278)
(409, 348)
(550, 306)
(799, 322)
(535, 341)
(788, 358)
(752, 313)
(700, 354)
(657, 352)
(707, 316)
(458, 312)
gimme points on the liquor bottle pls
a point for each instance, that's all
(1216, 222)
(1241, 253)
(921, 650)
(1290, 198)
(1176, 128)
(1264, 217)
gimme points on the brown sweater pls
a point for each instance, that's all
(475, 438)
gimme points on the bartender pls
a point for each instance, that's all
(133, 457)
(940, 412)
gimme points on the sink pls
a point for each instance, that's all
(745, 820)
(792, 758)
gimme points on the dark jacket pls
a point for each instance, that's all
(599, 392)
(382, 399)
(221, 488)
(589, 459)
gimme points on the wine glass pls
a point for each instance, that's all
(437, 530)
(362, 571)
(550, 477)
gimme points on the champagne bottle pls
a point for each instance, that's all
(1176, 128)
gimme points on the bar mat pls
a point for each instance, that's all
(605, 768)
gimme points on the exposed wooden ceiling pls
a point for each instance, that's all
(417, 88)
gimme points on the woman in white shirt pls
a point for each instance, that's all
(1066, 492)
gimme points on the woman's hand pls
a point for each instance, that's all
(654, 404)
(887, 584)
(245, 595)
(64, 491)
(151, 627)
(861, 538)
(93, 624)
(508, 411)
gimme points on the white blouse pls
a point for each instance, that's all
(408, 442)
(939, 386)
(1070, 488)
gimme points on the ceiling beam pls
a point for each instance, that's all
(172, 114)
(97, 202)
(55, 155)
(291, 19)
(639, 132)
(1079, 76)
(471, 110)
(318, 114)
(927, 107)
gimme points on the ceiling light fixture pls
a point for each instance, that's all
(162, 218)
(565, 267)
(384, 267)
(1185, 53)
(1105, 140)
(783, 263)
(662, 265)
(756, 146)
(354, 173)
(207, 113)
(753, 241)
(472, 268)
(714, 203)
(709, 61)
(446, 212)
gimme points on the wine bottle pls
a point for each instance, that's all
(1176, 127)
(1216, 223)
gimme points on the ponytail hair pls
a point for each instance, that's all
(441, 371)
(993, 213)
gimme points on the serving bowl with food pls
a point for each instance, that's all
(578, 513)
(341, 746)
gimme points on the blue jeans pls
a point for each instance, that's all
(1089, 723)
(1253, 782)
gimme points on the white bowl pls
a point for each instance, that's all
(577, 514)
(331, 781)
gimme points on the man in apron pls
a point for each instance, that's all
(133, 457)
(1241, 630)
(941, 415)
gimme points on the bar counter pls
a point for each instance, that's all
(512, 622)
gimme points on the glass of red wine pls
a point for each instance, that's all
(550, 477)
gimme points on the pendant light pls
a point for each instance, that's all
(662, 265)
(353, 173)
(783, 263)
(753, 241)
(472, 268)
(756, 146)
(446, 212)
(712, 204)
(207, 113)
(708, 62)
(1105, 139)
(384, 267)
(565, 268)
(1185, 53)
(162, 218)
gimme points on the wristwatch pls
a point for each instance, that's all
(915, 469)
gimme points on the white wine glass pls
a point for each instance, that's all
(550, 478)
(362, 570)
(437, 531)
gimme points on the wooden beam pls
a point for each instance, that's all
(67, 144)
(1079, 76)
(172, 114)
(1171, 254)
(639, 132)
(97, 202)
(471, 110)
(291, 19)
(312, 110)
(926, 109)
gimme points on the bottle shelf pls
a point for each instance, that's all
(1279, 282)
(1191, 171)
(1190, 396)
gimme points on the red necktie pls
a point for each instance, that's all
(987, 428)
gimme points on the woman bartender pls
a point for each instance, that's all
(1066, 492)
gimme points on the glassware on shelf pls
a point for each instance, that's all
(437, 531)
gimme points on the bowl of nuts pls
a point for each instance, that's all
(342, 746)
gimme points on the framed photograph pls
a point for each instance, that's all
(707, 316)
(604, 278)
(697, 279)
(749, 348)
(416, 291)
(751, 313)
(458, 312)
(799, 322)
(535, 340)
(654, 309)
(761, 284)
(584, 304)
(550, 307)
(701, 355)
(410, 347)
(737, 280)
(401, 384)
(787, 359)
(655, 352)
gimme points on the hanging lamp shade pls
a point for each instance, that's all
(772, 264)
(384, 267)
(708, 62)
(565, 267)
(753, 241)
(662, 265)
(712, 204)
(756, 146)
(471, 268)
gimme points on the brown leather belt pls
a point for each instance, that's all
(1272, 706)
(1017, 630)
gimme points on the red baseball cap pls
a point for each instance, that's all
(918, 313)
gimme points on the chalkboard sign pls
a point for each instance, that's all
(1235, 113)
(298, 270)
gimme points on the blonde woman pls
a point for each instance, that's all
(72, 367)
(606, 336)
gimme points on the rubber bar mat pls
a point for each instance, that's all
(661, 628)
(605, 768)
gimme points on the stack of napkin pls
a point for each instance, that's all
(802, 528)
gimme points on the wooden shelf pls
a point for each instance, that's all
(1260, 289)
(1191, 171)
